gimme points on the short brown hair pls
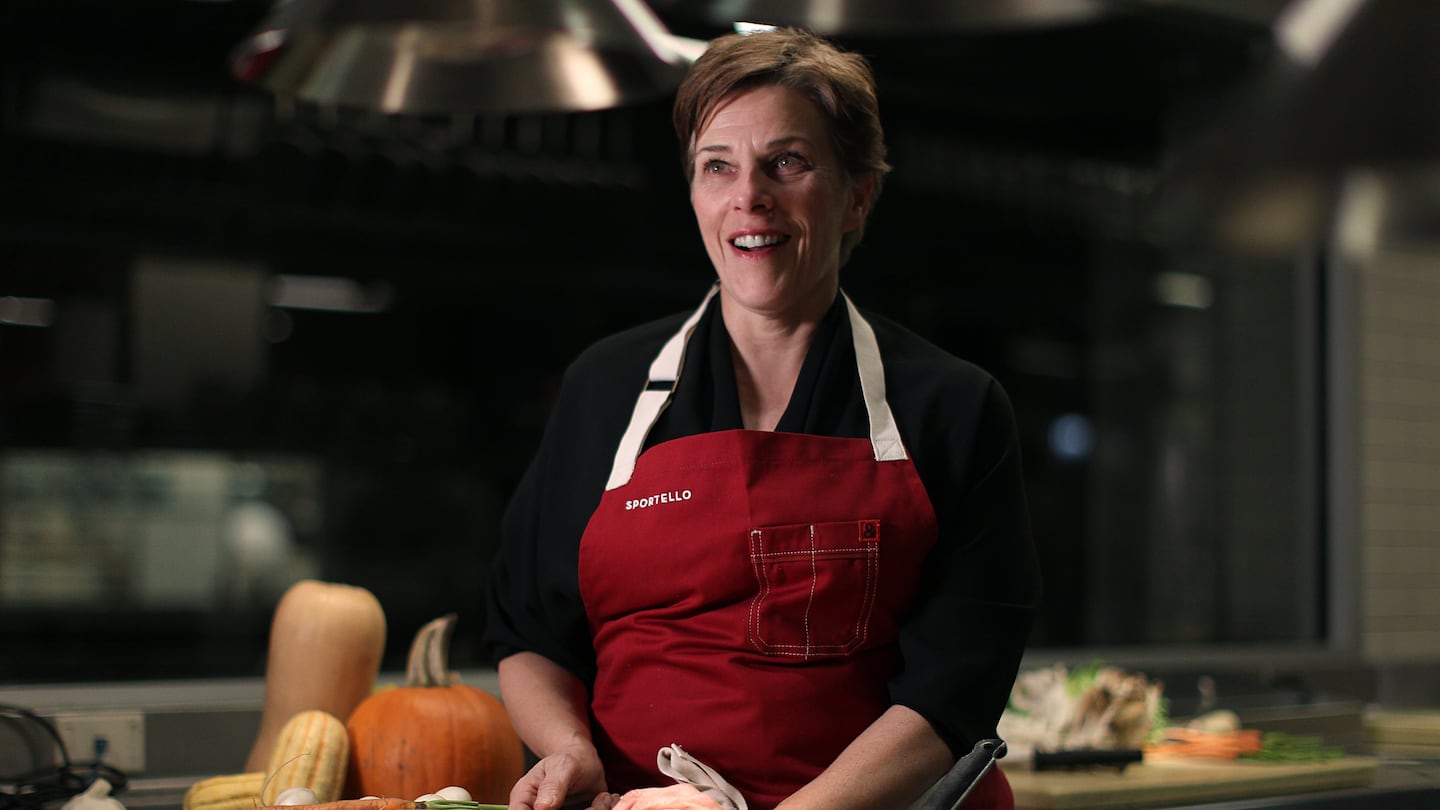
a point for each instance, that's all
(838, 82)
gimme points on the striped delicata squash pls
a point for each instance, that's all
(312, 751)
(240, 791)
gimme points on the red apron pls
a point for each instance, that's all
(745, 590)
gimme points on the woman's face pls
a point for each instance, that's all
(773, 202)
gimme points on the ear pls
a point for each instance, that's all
(862, 191)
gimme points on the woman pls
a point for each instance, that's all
(785, 537)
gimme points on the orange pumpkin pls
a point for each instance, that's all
(432, 732)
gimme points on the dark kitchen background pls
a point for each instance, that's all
(244, 341)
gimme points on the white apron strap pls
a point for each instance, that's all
(884, 435)
(665, 370)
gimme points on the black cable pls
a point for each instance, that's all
(48, 783)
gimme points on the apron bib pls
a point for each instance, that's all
(745, 589)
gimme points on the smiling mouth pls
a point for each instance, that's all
(755, 241)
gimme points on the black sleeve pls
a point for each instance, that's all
(532, 602)
(533, 599)
(963, 644)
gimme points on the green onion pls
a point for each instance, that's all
(1278, 746)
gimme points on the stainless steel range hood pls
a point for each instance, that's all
(463, 56)
(1343, 122)
(893, 17)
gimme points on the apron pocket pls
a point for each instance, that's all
(816, 587)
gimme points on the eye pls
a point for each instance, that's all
(713, 166)
(790, 163)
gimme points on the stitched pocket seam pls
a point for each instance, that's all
(869, 552)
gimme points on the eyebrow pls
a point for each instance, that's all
(775, 144)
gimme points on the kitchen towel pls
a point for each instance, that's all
(677, 764)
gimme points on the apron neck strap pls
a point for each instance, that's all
(665, 371)
(884, 434)
(665, 368)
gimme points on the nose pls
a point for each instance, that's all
(753, 192)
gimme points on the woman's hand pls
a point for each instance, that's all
(547, 704)
(605, 801)
(566, 775)
(676, 797)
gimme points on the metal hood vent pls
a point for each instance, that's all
(892, 17)
(1343, 116)
(463, 56)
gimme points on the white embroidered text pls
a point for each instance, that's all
(673, 496)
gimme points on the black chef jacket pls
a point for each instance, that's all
(963, 642)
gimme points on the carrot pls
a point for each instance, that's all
(1188, 742)
(388, 804)
(352, 804)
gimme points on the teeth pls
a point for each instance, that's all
(755, 240)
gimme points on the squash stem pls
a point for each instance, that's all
(430, 654)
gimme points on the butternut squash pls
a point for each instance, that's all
(326, 643)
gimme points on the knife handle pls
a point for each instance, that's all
(954, 786)
(1086, 757)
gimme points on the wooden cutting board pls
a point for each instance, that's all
(1396, 732)
(1178, 782)
(1419, 728)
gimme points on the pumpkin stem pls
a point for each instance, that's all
(430, 654)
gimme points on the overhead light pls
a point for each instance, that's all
(464, 56)
(328, 293)
(747, 28)
(1306, 30)
(18, 311)
(1186, 290)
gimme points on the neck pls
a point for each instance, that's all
(768, 348)
(768, 356)
(765, 383)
